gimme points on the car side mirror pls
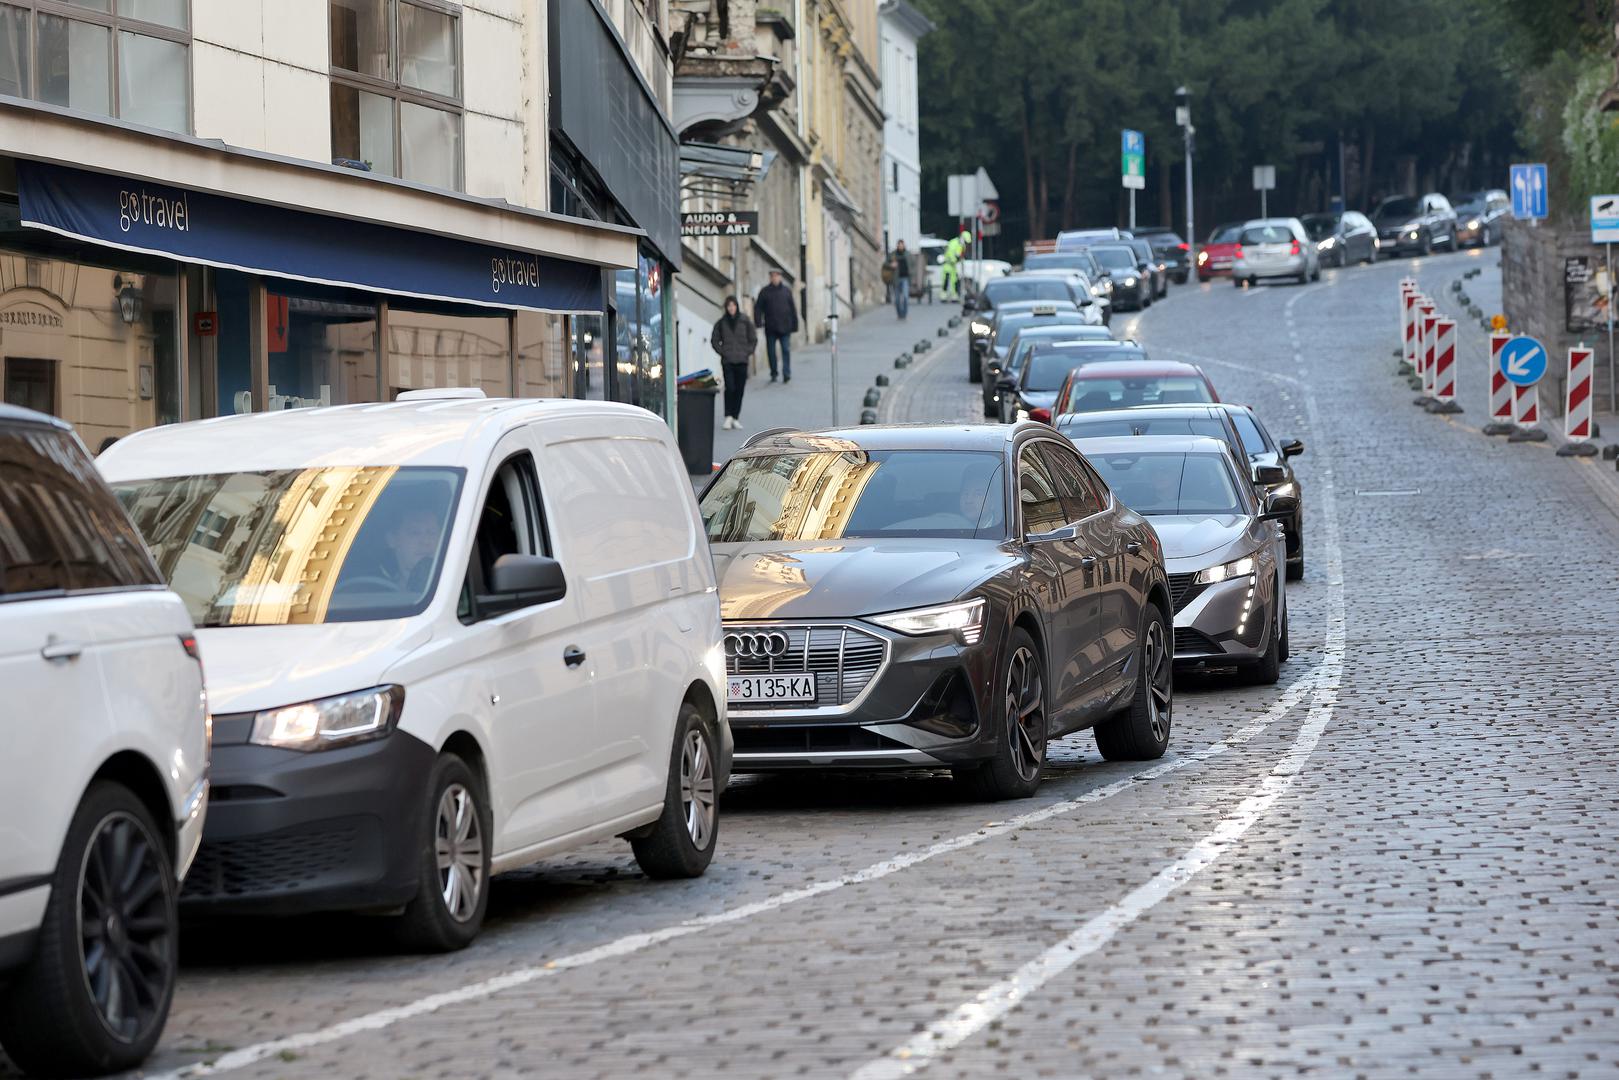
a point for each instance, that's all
(519, 581)
(1292, 447)
(1005, 381)
(1280, 508)
(1067, 532)
(1269, 474)
(981, 344)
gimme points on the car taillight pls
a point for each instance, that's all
(1042, 415)
(1239, 251)
(189, 644)
(1182, 247)
(1295, 248)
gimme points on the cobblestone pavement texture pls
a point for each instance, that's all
(1428, 889)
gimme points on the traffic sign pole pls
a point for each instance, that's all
(1577, 425)
(1500, 390)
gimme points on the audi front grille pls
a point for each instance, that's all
(843, 659)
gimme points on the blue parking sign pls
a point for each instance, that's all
(1529, 195)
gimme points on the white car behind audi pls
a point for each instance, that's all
(103, 763)
(446, 636)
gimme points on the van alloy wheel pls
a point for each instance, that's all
(697, 795)
(125, 926)
(458, 847)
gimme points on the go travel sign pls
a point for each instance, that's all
(235, 234)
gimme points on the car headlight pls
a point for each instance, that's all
(1129, 282)
(1202, 257)
(1473, 224)
(1226, 571)
(979, 328)
(1329, 242)
(964, 618)
(1096, 290)
(329, 722)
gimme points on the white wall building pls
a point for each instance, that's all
(901, 26)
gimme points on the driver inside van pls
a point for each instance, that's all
(412, 544)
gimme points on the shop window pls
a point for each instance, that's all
(429, 349)
(396, 89)
(322, 349)
(544, 359)
(129, 59)
(31, 383)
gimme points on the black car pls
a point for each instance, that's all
(1032, 391)
(1010, 318)
(1419, 224)
(1265, 452)
(1155, 268)
(999, 291)
(1080, 259)
(1170, 249)
(959, 595)
(1006, 366)
(1132, 285)
(1343, 238)
(1479, 215)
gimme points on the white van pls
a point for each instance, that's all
(103, 763)
(446, 636)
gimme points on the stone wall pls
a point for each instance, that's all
(1532, 291)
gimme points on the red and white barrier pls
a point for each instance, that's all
(1430, 336)
(1444, 360)
(1408, 292)
(1577, 416)
(1412, 298)
(1500, 388)
(1526, 406)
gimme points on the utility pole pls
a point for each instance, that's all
(1183, 117)
(832, 316)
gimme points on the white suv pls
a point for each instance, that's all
(103, 763)
(446, 636)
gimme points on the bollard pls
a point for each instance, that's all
(1610, 452)
(1577, 405)
(920, 347)
(873, 396)
(1412, 298)
(902, 361)
(868, 416)
(944, 331)
(1426, 339)
(1444, 373)
(881, 380)
(1500, 390)
(955, 321)
(1408, 289)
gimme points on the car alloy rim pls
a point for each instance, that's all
(1157, 670)
(1025, 713)
(458, 847)
(126, 945)
(697, 796)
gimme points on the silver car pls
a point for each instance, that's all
(1275, 248)
(1223, 549)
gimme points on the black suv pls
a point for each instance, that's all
(1419, 224)
(1169, 249)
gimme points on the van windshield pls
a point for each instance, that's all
(317, 545)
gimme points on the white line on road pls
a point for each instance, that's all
(633, 943)
(971, 1017)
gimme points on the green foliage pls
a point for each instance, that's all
(1590, 138)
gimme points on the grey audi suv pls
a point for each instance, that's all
(935, 596)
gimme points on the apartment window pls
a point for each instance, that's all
(124, 58)
(396, 88)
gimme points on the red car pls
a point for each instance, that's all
(1214, 258)
(1124, 384)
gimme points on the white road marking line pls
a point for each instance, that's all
(633, 943)
(961, 1024)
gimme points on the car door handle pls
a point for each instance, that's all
(573, 656)
(61, 650)
(1133, 547)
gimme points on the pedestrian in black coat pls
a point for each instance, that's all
(735, 340)
(775, 313)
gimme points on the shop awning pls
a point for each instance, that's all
(260, 238)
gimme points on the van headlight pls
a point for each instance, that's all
(965, 619)
(329, 722)
(1225, 571)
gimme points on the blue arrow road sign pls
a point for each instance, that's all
(1523, 361)
(1528, 186)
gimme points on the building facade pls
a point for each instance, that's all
(211, 207)
(900, 27)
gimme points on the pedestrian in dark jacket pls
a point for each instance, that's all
(900, 260)
(776, 313)
(734, 339)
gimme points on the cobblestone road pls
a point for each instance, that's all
(1401, 861)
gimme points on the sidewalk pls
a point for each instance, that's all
(866, 347)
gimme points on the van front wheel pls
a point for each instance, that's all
(680, 844)
(452, 894)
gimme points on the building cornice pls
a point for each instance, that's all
(906, 17)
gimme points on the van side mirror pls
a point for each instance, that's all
(519, 581)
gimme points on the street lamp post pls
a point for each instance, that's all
(1183, 117)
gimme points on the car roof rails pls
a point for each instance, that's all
(759, 436)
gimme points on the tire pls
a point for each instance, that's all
(52, 1019)
(1427, 243)
(1141, 731)
(1268, 668)
(1286, 648)
(680, 844)
(455, 836)
(975, 373)
(1019, 761)
(1237, 281)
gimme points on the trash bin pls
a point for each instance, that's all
(694, 409)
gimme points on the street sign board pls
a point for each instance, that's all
(1604, 219)
(1522, 360)
(1528, 186)
(1133, 165)
(720, 223)
(1264, 178)
(954, 195)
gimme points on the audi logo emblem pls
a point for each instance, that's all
(771, 644)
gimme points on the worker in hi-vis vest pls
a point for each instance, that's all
(950, 274)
